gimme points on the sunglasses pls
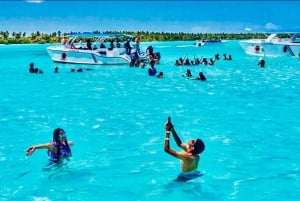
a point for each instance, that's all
(62, 135)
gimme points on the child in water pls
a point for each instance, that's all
(58, 149)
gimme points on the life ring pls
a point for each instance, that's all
(257, 48)
(63, 56)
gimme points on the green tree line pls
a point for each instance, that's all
(55, 37)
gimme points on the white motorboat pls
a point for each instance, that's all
(208, 42)
(272, 46)
(101, 48)
(199, 43)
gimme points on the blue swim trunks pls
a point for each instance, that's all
(185, 176)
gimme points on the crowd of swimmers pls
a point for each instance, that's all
(189, 75)
(33, 69)
(203, 60)
(152, 60)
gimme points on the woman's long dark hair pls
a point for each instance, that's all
(57, 142)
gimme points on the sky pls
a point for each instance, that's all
(48, 16)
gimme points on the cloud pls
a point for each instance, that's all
(34, 1)
(271, 26)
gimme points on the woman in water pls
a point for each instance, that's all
(58, 149)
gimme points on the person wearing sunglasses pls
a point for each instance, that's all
(189, 157)
(58, 149)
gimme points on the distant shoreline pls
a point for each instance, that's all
(55, 37)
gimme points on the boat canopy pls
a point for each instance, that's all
(100, 36)
(104, 35)
(295, 38)
(270, 38)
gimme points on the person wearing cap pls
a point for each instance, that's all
(190, 156)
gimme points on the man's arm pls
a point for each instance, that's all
(168, 128)
(177, 139)
(167, 146)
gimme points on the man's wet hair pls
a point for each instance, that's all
(199, 147)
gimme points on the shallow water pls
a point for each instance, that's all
(247, 116)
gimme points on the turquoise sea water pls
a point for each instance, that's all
(247, 116)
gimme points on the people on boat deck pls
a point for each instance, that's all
(261, 63)
(89, 44)
(118, 43)
(63, 41)
(70, 44)
(190, 156)
(201, 77)
(80, 45)
(102, 48)
(152, 71)
(137, 44)
(57, 150)
(127, 46)
(32, 69)
(111, 46)
(102, 45)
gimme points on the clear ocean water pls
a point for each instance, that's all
(247, 116)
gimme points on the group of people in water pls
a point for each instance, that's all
(33, 69)
(203, 60)
(59, 151)
(189, 75)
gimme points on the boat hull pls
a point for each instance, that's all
(272, 46)
(260, 49)
(93, 57)
(98, 49)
